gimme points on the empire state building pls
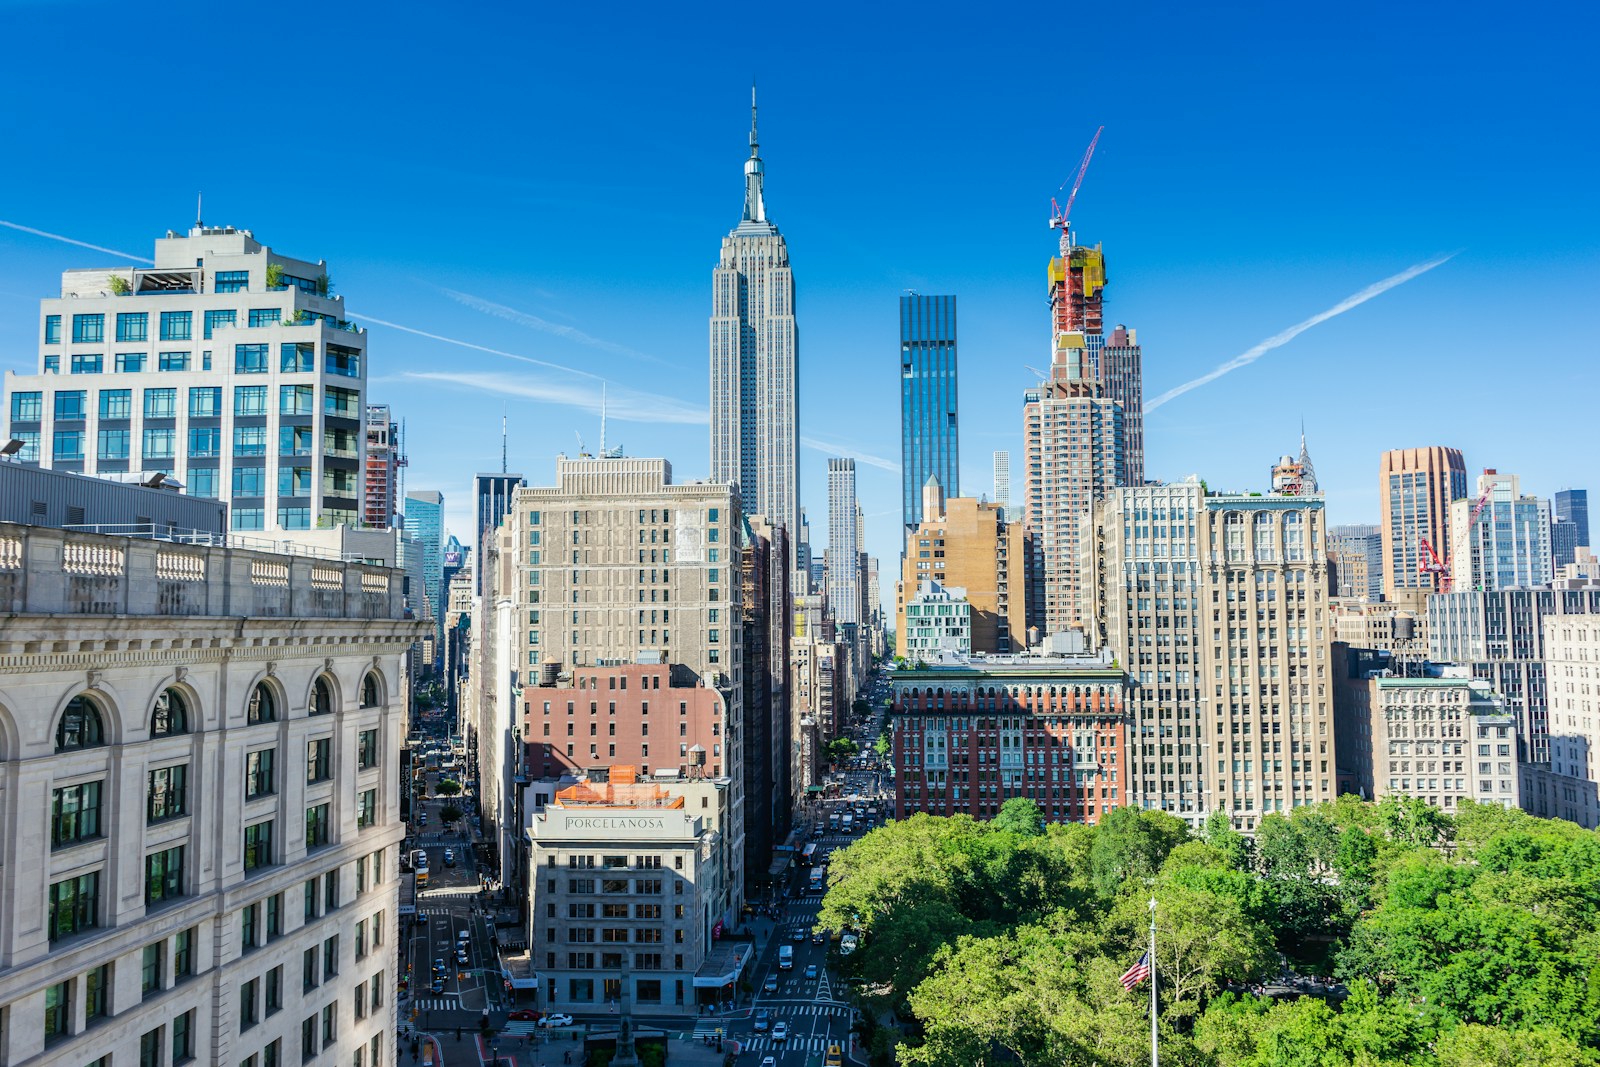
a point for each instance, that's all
(754, 421)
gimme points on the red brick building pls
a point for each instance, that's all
(969, 735)
(653, 716)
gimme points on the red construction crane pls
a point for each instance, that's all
(1430, 563)
(1058, 214)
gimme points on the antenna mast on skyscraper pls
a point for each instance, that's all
(502, 439)
(1058, 214)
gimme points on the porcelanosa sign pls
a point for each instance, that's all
(619, 822)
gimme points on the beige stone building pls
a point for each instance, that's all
(1443, 740)
(1572, 680)
(966, 543)
(199, 815)
(1415, 488)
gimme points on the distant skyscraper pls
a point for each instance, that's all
(1572, 505)
(928, 425)
(1122, 379)
(1508, 547)
(491, 494)
(425, 524)
(1002, 483)
(385, 457)
(1355, 553)
(802, 557)
(844, 553)
(754, 420)
(1415, 488)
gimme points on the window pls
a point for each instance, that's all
(231, 281)
(245, 518)
(366, 808)
(177, 325)
(317, 826)
(294, 518)
(295, 441)
(171, 716)
(80, 726)
(346, 402)
(163, 875)
(297, 399)
(249, 400)
(133, 326)
(205, 402)
(321, 696)
(308, 1038)
(274, 916)
(308, 970)
(113, 444)
(249, 1004)
(367, 750)
(74, 905)
(203, 482)
(250, 359)
(172, 361)
(344, 361)
(150, 969)
(274, 990)
(52, 329)
(330, 1029)
(263, 707)
(258, 776)
(130, 362)
(27, 407)
(160, 403)
(29, 452)
(330, 957)
(205, 442)
(52, 364)
(330, 891)
(168, 794)
(215, 319)
(88, 329)
(87, 364)
(249, 927)
(150, 1048)
(71, 405)
(319, 752)
(182, 1032)
(116, 403)
(159, 442)
(264, 317)
(75, 813)
(58, 1011)
(258, 845)
(183, 954)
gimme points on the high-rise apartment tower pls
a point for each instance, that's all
(928, 425)
(1415, 488)
(844, 553)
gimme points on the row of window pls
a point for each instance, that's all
(71, 405)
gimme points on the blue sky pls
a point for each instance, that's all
(554, 183)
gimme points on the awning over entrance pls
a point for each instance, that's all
(723, 964)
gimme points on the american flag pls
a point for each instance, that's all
(1137, 973)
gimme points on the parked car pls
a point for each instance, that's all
(556, 1019)
(461, 956)
(523, 1015)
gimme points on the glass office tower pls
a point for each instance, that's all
(928, 424)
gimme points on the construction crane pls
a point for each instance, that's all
(1059, 215)
(1429, 561)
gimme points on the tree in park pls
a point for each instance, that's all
(449, 813)
(448, 788)
(841, 749)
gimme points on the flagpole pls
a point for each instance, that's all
(1155, 1056)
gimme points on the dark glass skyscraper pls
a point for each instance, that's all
(928, 426)
(1572, 505)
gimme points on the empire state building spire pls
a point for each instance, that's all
(754, 209)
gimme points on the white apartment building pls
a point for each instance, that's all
(1572, 679)
(1443, 740)
(938, 619)
(199, 825)
(627, 885)
(1508, 545)
(224, 365)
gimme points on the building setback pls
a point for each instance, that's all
(224, 365)
(968, 734)
(929, 429)
(1415, 488)
(966, 543)
(199, 834)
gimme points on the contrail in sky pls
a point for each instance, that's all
(73, 241)
(534, 322)
(1279, 339)
(850, 453)
(479, 348)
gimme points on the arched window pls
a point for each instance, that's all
(81, 726)
(171, 715)
(321, 696)
(263, 708)
(369, 692)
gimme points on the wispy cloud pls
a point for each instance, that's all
(74, 241)
(478, 348)
(1279, 339)
(534, 322)
(627, 405)
(851, 453)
